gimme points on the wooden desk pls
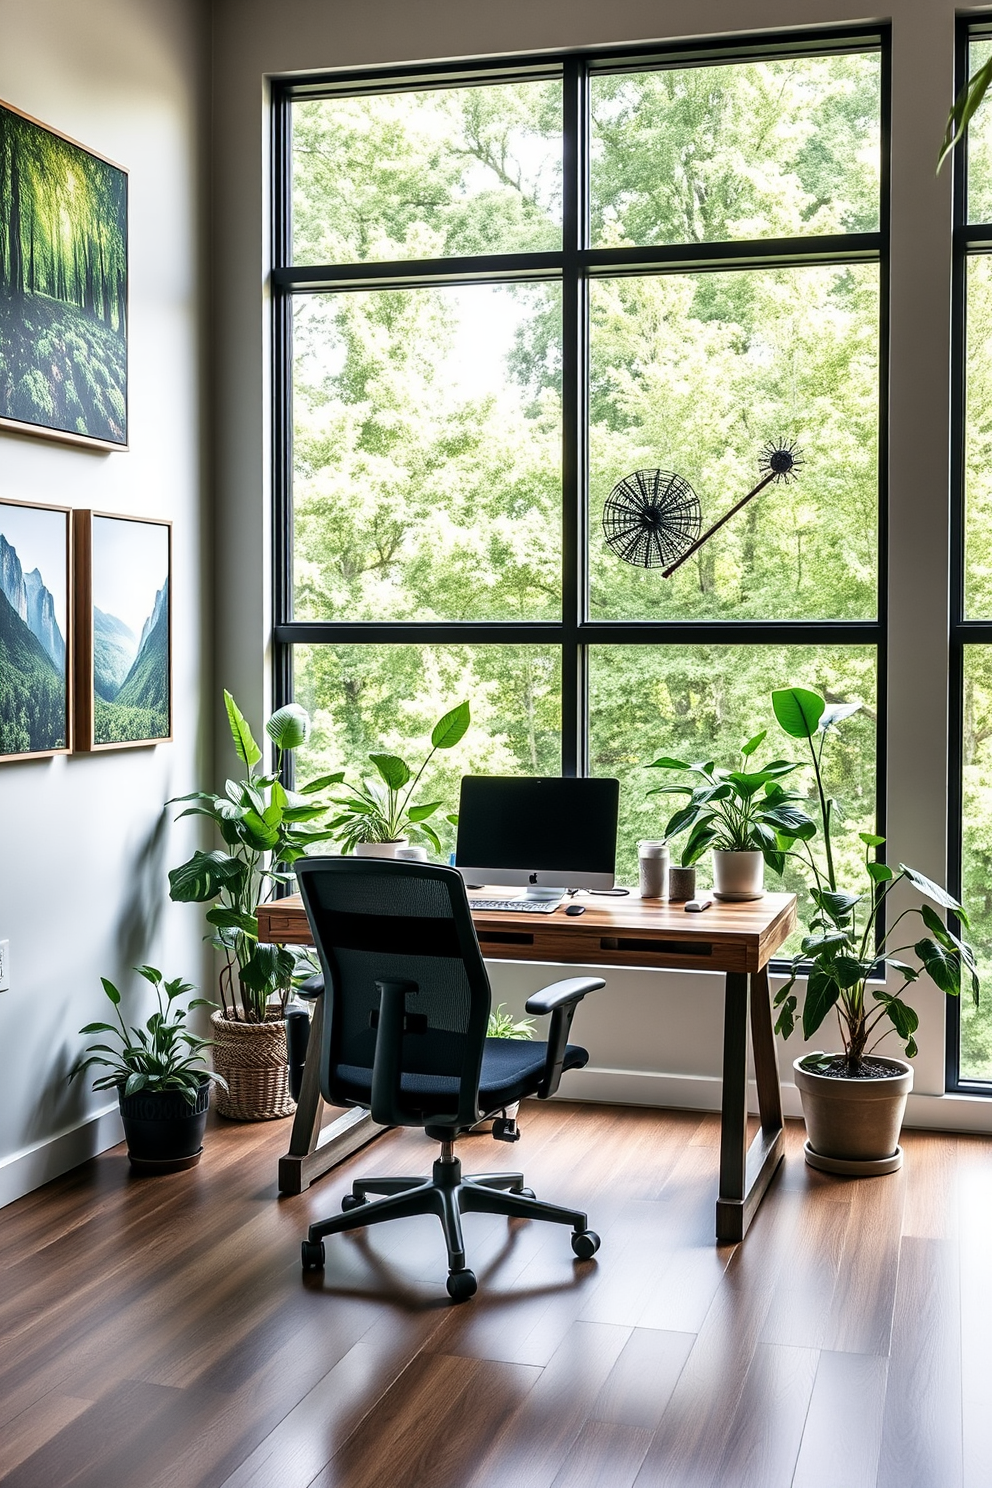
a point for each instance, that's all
(736, 939)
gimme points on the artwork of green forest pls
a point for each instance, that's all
(428, 424)
(63, 284)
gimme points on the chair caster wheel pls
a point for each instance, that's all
(313, 1255)
(526, 1193)
(585, 1244)
(351, 1201)
(462, 1285)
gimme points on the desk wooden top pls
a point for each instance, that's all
(627, 931)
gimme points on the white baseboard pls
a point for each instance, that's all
(960, 1113)
(27, 1170)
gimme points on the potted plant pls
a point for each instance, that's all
(159, 1074)
(264, 828)
(378, 817)
(740, 814)
(854, 1100)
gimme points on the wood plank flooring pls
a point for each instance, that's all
(159, 1333)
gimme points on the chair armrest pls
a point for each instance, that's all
(560, 1000)
(572, 989)
(311, 989)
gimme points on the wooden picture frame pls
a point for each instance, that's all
(63, 287)
(123, 627)
(36, 630)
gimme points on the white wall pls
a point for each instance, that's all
(84, 841)
(662, 1034)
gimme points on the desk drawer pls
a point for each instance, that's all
(591, 947)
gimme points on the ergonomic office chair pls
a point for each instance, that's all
(405, 1036)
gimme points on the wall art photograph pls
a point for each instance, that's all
(123, 692)
(63, 287)
(34, 605)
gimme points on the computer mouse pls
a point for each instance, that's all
(574, 909)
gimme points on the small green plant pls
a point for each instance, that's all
(265, 828)
(383, 810)
(163, 1055)
(843, 950)
(739, 810)
(502, 1024)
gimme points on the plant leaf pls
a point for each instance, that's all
(942, 966)
(289, 727)
(870, 840)
(879, 872)
(452, 727)
(394, 771)
(798, 711)
(822, 991)
(667, 763)
(421, 813)
(933, 891)
(834, 713)
(323, 782)
(752, 744)
(246, 748)
(964, 107)
(203, 877)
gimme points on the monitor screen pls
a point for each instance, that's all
(547, 831)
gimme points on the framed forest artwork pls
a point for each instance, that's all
(35, 671)
(63, 287)
(123, 611)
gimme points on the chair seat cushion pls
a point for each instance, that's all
(511, 1069)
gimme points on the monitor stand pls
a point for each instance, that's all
(543, 893)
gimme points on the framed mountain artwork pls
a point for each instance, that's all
(35, 671)
(123, 609)
(63, 287)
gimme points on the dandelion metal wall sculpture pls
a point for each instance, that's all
(652, 517)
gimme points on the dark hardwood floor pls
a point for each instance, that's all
(159, 1333)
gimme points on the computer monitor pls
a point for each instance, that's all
(547, 834)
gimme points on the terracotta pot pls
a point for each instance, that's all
(738, 875)
(253, 1059)
(853, 1125)
(379, 849)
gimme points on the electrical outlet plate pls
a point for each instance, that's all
(4, 965)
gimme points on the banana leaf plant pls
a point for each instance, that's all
(383, 809)
(264, 828)
(162, 1055)
(845, 953)
(740, 810)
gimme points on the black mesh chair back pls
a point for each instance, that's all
(378, 920)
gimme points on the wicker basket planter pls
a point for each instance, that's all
(252, 1059)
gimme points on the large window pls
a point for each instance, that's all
(498, 292)
(970, 1028)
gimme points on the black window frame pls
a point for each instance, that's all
(576, 266)
(968, 240)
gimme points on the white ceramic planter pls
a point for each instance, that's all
(379, 849)
(853, 1126)
(738, 875)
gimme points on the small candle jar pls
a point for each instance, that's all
(652, 862)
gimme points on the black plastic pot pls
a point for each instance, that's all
(164, 1129)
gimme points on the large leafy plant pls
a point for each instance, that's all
(844, 949)
(162, 1055)
(265, 828)
(740, 810)
(383, 809)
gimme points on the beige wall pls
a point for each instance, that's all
(84, 841)
(654, 1028)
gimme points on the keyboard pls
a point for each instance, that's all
(525, 906)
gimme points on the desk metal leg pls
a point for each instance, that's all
(313, 1151)
(745, 1172)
